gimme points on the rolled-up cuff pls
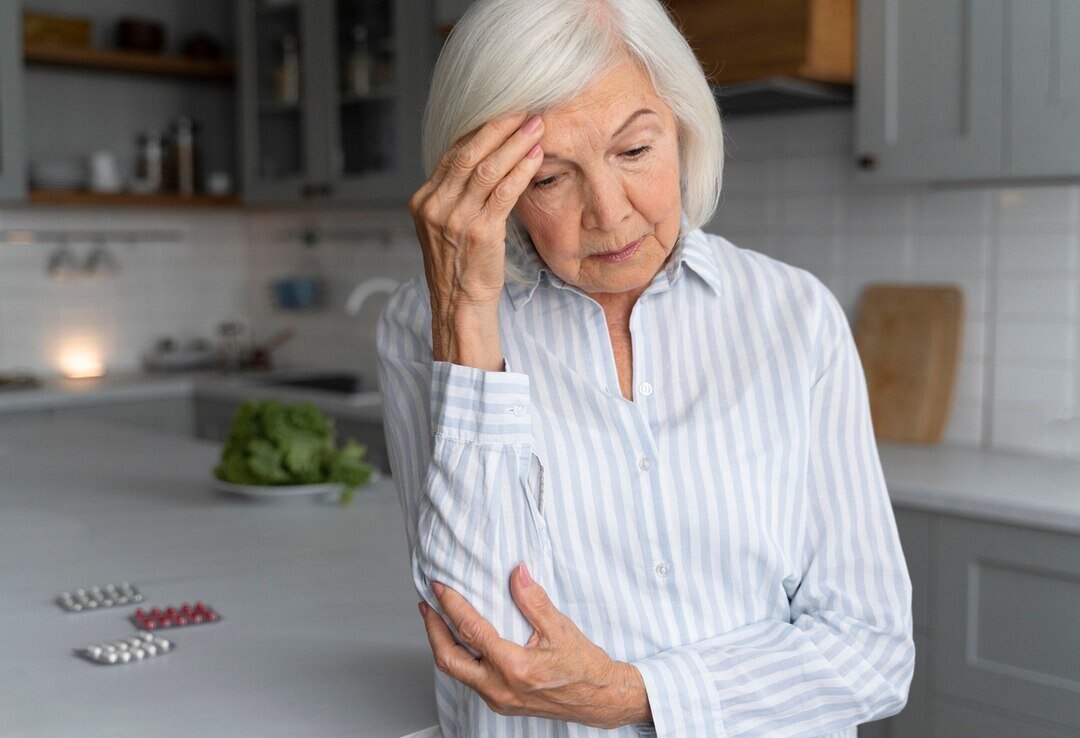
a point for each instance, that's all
(472, 404)
(682, 696)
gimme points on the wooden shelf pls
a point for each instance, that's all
(82, 198)
(218, 70)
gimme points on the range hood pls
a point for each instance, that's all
(779, 94)
(775, 55)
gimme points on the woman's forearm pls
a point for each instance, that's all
(468, 336)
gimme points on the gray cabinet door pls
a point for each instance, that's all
(949, 720)
(1044, 89)
(1006, 613)
(929, 92)
(284, 153)
(374, 140)
(12, 138)
(335, 145)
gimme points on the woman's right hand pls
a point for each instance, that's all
(460, 214)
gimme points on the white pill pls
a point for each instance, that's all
(145, 635)
(151, 649)
(163, 644)
(110, 648)
(139, 654)
(94, 650)
(125, 656)
(109, 657)
(121, 645)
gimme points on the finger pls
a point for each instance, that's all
(534, 603)
(469, 154)
(450, 657)
(505, 195)
(474, 629)
(490, 173)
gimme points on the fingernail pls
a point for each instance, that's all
(526, 580)
(534, 152)
(423, 608)
(439, 589)
(532, 124)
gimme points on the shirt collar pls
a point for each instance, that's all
(692, 249)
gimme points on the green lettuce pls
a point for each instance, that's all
(271, 443)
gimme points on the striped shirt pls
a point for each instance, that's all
(727, 531)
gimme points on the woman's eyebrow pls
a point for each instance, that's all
(631, 119)
(633, 116)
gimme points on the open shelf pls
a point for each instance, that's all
(78, 198)
(215, 70)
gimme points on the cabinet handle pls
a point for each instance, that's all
(867, 161)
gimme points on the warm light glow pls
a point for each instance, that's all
(20, 238)
(80, 363)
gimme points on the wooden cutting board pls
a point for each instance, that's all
(908, 337)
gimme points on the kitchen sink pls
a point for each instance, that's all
(340, 384)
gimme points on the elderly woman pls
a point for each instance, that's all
(636, 462)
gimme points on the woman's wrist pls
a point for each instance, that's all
(630, 694)
(469, 336)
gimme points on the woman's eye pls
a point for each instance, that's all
(545, 182)
(638, 152)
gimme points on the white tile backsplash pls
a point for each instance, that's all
(1013, 251)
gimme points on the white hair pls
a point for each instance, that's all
(507, 56)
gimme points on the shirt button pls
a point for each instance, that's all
(644, 389)
(662, 569)
(645, 464)
(518, 409)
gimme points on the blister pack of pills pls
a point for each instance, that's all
(172, 617)
(96, 598)
(139, 647)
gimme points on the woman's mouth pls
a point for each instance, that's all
(623, 255)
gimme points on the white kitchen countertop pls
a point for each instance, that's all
(57, 394)
(988, 485)
(1001, 487)
(320, 633)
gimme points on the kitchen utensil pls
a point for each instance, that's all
(261, 356)
(47, 29)
(105, 172)
(59, 174)
(140, 34)
(908, 337)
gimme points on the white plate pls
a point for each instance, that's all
(273, 492)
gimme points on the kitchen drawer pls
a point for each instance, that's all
(914, 530)
(912, 721)
(1006, 613)
(949, 720)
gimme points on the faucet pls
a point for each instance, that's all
(366, 289)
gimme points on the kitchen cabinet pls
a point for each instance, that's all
(954, 90)
(996, 636)
(1005, 604)
(929, 90)
(334, 140)
(12, 157)
(743, 40)
(1044, 88)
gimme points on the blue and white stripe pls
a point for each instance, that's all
(728, 531)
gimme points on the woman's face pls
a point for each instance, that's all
(610, 177)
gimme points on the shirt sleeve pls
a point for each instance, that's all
(847, 655)
(460, 446)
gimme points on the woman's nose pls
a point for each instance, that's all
(607, 204)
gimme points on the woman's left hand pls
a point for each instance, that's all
(558, 674)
